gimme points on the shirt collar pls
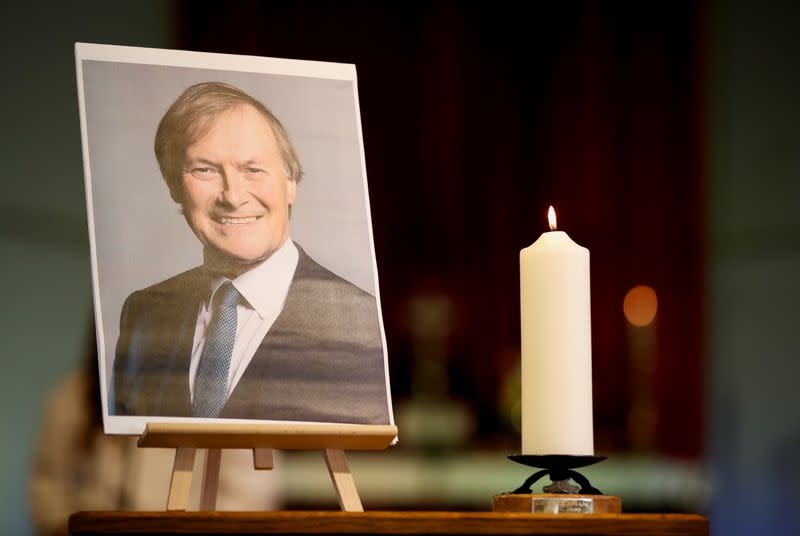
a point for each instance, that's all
(268, 282)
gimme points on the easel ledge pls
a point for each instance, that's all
(332, 439)
(299, 436)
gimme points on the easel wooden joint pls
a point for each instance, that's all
(333, 440)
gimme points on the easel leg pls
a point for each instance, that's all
(342, 480)
(181, 479)
(263, 459)
(208, 493)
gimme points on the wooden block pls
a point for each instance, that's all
(342, 479)
(263, 459)
(557, 503)
(181, 480)
(208, 493)
(294, 436)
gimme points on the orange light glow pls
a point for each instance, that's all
(640, 305)
(551, 218)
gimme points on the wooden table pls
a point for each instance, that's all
(296, 522)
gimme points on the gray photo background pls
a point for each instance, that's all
(140, 236)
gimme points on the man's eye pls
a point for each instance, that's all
(204, 172)
(254, 170)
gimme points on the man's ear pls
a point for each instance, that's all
(291, 192)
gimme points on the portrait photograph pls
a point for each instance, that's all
(233, 263)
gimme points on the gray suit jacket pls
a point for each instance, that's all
(322, 359)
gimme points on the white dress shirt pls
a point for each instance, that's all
(264, 289)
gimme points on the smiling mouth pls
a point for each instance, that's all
(237, 221)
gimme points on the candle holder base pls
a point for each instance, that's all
(556, 503)
(561, 496)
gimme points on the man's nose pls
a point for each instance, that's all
(234, 189)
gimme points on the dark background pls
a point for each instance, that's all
(475, 118)
(665, 134)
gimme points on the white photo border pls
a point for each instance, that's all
(115, 424)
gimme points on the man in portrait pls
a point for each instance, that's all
(259, 330)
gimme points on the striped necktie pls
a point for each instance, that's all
(211, 380)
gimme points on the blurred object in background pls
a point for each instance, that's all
(510, 394)
(640, 306)
(431, 419)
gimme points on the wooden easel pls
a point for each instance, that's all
(332, 439)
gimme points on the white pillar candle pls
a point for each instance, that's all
(556, 346)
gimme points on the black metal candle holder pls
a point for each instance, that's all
(560, 468)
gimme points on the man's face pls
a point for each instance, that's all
(236, 193)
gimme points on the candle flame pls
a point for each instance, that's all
(551, 218)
